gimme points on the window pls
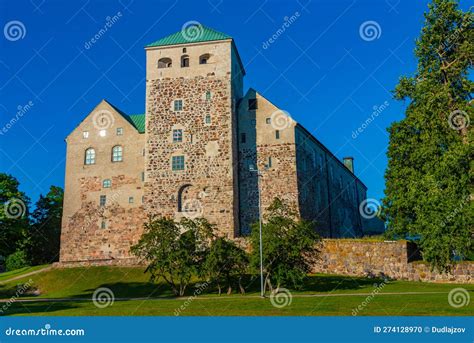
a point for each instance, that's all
(143, 176)
(117, 154)
(177, 135)
(207, 120)
(208, 95)
(243, 137)
(178, 105)
(165, 63)
(252, 104)
(268, 120)
(184, 61)
(184, 50)
(203, 59)
(103, 224)
(143, 199)
(191, 138)
(90, 156)
(277, 134)
(177, 163)
(269, 162)
(130, 200)
(106, 183)
(119, 131)
(85, 134)
(143, 152)
(102, 200)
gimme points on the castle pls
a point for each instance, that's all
(203, 148)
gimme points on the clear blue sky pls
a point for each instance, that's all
(320, 70)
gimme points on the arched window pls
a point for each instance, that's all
(184, 61)
(204, 59)
(183, 196)
(117, 153)
(90, 156)
(165, 62)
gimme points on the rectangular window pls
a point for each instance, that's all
(119, 131)
(207, 120)
(178, 105)
(268, 120)
(243, 137)
(103, 225)
(85, 134)
(252, 104)
(130, 200)
(177, 163)
(177, 135)
(143, 176)
(102, 200)
(143, 152)
(277, 134)
(208, 95)
(143, 199)
(269, 163)
(106, 183)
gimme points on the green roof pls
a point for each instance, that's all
(137, 120)
(191, 34)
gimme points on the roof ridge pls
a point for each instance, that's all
(184, 36)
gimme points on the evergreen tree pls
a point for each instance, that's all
(430, 173)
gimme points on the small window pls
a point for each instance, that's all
(178, 105)
(177, 135)
(207, 120)
(184, 50)
(277, 134)
(143, 199)
(268, 120)
(143, 152)
(269, 162)
(177, 163)
(243, 137)
(117, 154)
(106, 183)
(164, 63)
(184, 61)
(203, 59)
(90, 156)
(143, 176)
(119, 131)
(191, 138)
(252, 104)
(102, 200)
(130, 200)
(103, 224)
(85, 134)
(208, 95)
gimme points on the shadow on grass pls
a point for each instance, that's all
(32, 308)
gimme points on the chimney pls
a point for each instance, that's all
(349, 163)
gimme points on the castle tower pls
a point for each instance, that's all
(194, 81)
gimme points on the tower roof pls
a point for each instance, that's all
(192, 33)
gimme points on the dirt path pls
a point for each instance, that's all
(25, 275)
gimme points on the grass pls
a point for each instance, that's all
(346, 293)
(18, 272)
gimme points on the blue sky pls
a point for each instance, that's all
(324, 70)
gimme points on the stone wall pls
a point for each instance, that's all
(383, 258)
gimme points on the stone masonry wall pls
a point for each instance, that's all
(378, 258)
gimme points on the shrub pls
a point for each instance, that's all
(17, 260)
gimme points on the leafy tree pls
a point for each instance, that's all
(17, 260)
(225, 264)
(289, 244)
(13, 215)
(429, 176)
(45, 230)
(174, 251)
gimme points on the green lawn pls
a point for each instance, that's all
(17, 272)
(80, 283)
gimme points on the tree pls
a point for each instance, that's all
(13, 215)
(45, 230)
(174, 251)
(429, 176)
(289, 244)
(225, 264)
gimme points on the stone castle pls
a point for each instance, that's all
(203, 148)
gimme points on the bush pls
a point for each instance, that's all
(17, 260)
